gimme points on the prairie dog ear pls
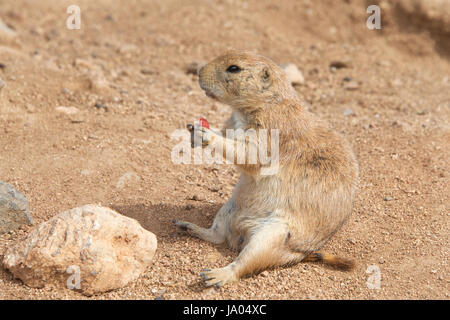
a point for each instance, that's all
(266, 78)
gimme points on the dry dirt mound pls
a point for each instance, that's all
(124, 71)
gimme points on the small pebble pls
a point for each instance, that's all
(339, 64)
(347, 112)
(67, 110)
(128, 48)
(6, 30)
(196, 197)
(147, 71)
(351, 85)
(397, 82)
(101, 106)
(30, 108)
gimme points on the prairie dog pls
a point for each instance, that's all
(284, 218)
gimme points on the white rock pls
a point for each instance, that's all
(126, 178)
(347, 112)
(293, 74)
(86, 172)
(91, 248)
(351, 85)
(5, 30)
(2, 84)
(67, 110)
(128, 48)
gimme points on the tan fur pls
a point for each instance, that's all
(282, 218)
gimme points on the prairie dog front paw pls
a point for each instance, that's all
(200, 136)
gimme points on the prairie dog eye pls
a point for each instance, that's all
(233, 69)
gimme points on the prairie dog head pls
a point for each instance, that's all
(243, 79)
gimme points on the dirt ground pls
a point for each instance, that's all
(125, 70)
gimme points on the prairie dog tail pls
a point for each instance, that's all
(330, 260)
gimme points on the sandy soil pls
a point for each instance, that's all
(130, 58)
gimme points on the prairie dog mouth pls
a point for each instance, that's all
(210, 94)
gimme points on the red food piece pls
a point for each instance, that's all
(204, 123)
